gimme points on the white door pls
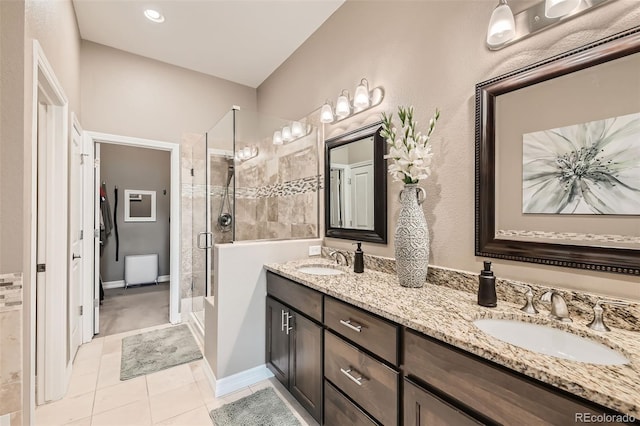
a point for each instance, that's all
(76, 234)
(362, 196)
(96, 240)
(41, 253)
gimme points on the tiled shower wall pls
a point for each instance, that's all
(277, 192)
(219, 174)
(11, 348)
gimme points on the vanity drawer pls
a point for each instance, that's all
(369, 382)
(299, 297)
(502, 396)
(374, 334)
(338, 410)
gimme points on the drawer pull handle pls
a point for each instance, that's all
(357, 380)
(348, 323)
(281, 319)
(287, 325)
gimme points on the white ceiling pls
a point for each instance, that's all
(238, 40)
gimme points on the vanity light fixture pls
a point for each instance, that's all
(296, 129)
(502, 26)
(277, 137)
(326, 113)
(286, 134)
(506, 28)
(154, 16)
(363, 99)
(291, 132)
(559, 8)
(246, 153)
(343, 106)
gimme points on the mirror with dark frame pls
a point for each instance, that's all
(355, 206)
(572, 125)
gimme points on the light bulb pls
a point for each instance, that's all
(286, 133)
(326, 113)
(361, 97)
(502, 26)
(246, 152)
(277, 137)
(343, 109)
(296, 129)
(559, 8)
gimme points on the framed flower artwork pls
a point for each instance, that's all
(558, 160)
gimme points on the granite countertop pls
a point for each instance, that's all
(447, 315)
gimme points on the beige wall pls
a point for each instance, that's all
(402, 47)
(11, 135)
(130, 95)
(53, 25)
(136, 168)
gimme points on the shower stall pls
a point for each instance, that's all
(238, 186)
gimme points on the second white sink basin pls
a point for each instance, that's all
(551, 341)
(319, 270)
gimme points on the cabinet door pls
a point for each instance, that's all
(305, 379)
(277, 350)
(422, 408)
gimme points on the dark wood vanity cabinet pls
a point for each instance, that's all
(294, 344)
(377, 372)
(490, 393)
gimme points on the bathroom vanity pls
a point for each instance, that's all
(359, 349)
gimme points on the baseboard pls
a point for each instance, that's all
(120, 284)
(112, 284)
(235, 382)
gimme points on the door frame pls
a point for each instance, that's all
(91, 138)
(51, 351)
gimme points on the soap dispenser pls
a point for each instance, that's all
(358, 259)
(487, 287)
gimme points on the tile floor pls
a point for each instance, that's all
(177, 396)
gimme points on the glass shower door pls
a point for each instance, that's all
(201, 237)
(212, 212)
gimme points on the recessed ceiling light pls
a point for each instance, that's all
(154, 15)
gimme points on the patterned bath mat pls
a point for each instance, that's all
(263, 408)
(157, 350)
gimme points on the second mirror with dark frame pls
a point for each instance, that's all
(355, 206)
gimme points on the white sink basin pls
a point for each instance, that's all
(319, 270)
(551, 341)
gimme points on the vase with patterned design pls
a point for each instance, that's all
(412, 238)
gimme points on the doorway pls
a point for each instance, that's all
(135, 244)
(98, 140)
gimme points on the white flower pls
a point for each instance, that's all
(409, 150)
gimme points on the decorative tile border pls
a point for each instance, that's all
(571, 236)
(10, 292)
(580, 304)
(292, 187)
